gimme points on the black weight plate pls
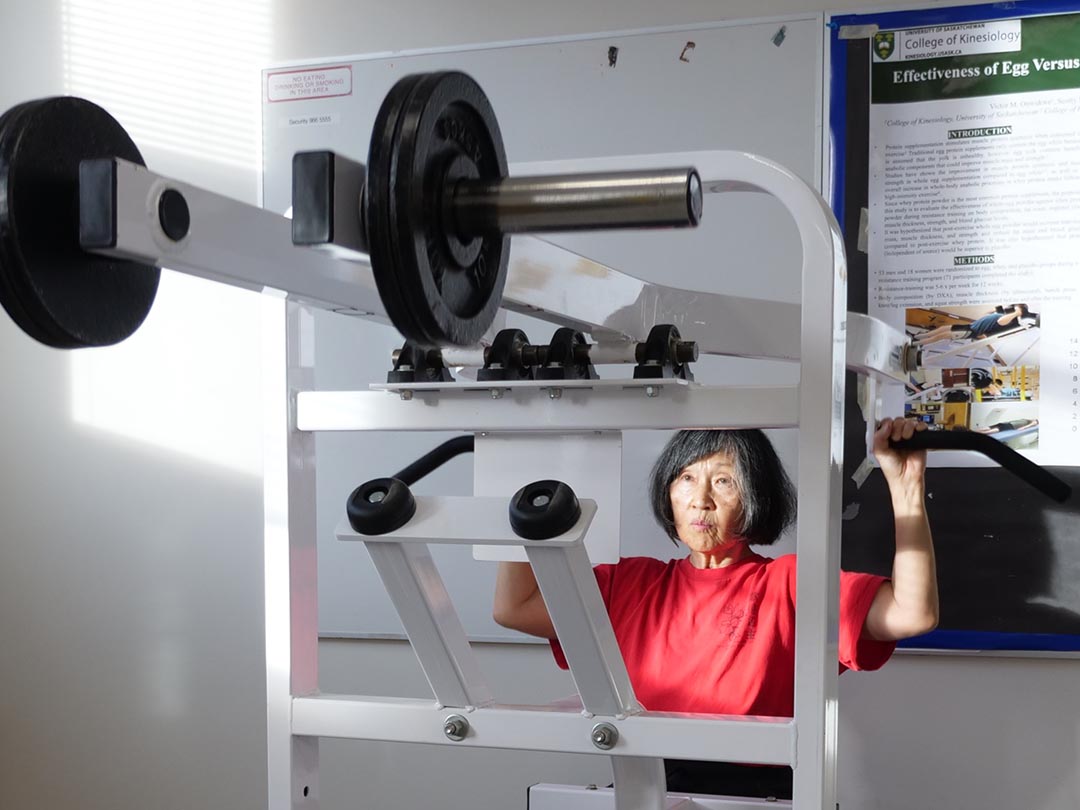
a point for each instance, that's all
(447, 121)
(377, 201)
(57, 293)
(379, 218)
(445, 130)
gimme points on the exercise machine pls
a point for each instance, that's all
(420, 236)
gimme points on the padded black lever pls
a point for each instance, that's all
(1044, 481)
(434, 459)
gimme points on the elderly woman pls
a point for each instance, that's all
(714, 631)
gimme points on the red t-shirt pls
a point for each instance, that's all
(722, 640)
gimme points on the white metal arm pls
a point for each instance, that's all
(251, 248)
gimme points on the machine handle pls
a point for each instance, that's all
(434, 459)
(1044, 481)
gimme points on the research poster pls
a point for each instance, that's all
(974, 226)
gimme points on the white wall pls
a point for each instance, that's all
(131, 652)
(130, 554)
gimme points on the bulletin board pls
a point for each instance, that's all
(952, 169)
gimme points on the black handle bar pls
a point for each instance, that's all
(435, 458)
(1046, 482)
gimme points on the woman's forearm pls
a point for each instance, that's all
(907, 605)
(914, 575)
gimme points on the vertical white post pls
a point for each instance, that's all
(291, 599)
(821, 448)
(640, 783)
(821, 436)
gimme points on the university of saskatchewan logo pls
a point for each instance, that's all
(884, 44)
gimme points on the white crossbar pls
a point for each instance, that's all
(721, 738)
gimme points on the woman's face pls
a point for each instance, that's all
(706, 505)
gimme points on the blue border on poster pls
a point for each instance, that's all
(893, 20)
(981, 640)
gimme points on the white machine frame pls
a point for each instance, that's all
(298, 715)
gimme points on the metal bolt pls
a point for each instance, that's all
(406, 395)
(173, 214)
(555, 393)
(604, 736)
(496, 393)
(456, 727)
(651, 390)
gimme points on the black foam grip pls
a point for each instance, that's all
(556, 515)
(394, 507)
(1044, 481)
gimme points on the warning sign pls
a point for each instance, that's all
(299, 85)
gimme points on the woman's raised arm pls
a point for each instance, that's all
(908, 605)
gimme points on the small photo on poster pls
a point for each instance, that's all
(979, 370)
(1015, 424)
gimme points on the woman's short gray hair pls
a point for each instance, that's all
(765, 491)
